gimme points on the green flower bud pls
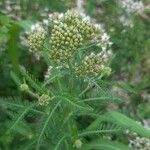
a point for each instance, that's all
(24, 87)
(44, 100)
(78, 144)
(36, 40)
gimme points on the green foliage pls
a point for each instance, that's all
(80, 112)
(105, 145)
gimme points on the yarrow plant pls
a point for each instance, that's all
(69, 33)
(68, 106)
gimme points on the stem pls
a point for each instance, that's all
(59, 84)
(85, 90)
(88, 46)
(71, 77)
(33, 94)
(89, 87)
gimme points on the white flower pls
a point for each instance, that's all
(37, 27)
(125, 21)
(105, 37)
(60, 15)
(48, 73)
(132, 6)
(45, 21)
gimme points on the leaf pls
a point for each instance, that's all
(103, 91)
(20, 116)
(76, 105)
(33, 81)
(25, 24)
(105, 145)
(15, 78)
(59, 142)
(17, 102)
(126, 87)
(101, 128)
(123, 85)
(45, 125)
(103, 99)
(4, 20)
(13, 52)
(128, 123)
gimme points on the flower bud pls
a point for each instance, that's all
(24, 87)
(44, 100)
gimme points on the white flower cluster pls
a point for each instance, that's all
(37, 27)
(136, 142)
(48, 73)
(139, 143)
(80, 4)
(132, 6)
(125, 21)
(104, 42)
(12, 9)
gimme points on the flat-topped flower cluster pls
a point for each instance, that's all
(68, 34)
(132, 6)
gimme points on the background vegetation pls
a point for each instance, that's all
(23, 126)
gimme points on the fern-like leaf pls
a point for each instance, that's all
(128, 123)
(78, 106)
(103, 128)
(33, 81)
(20, 116)
(18, 103)
(45, 125)
(105, 145)
(59, 142)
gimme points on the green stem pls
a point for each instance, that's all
(88, 46)
(85, 90)
(59, 84)
(89, 87)
(33, 94)
(71, 77)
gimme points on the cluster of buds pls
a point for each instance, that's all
(36, 41)
(82, 24)
(70, 31)
(24, 87)
(43, 100)
(78, 144)
(64, 41)
(94, 65)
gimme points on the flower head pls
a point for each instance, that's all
(94, 65)
(44, 100)
(36, 40)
